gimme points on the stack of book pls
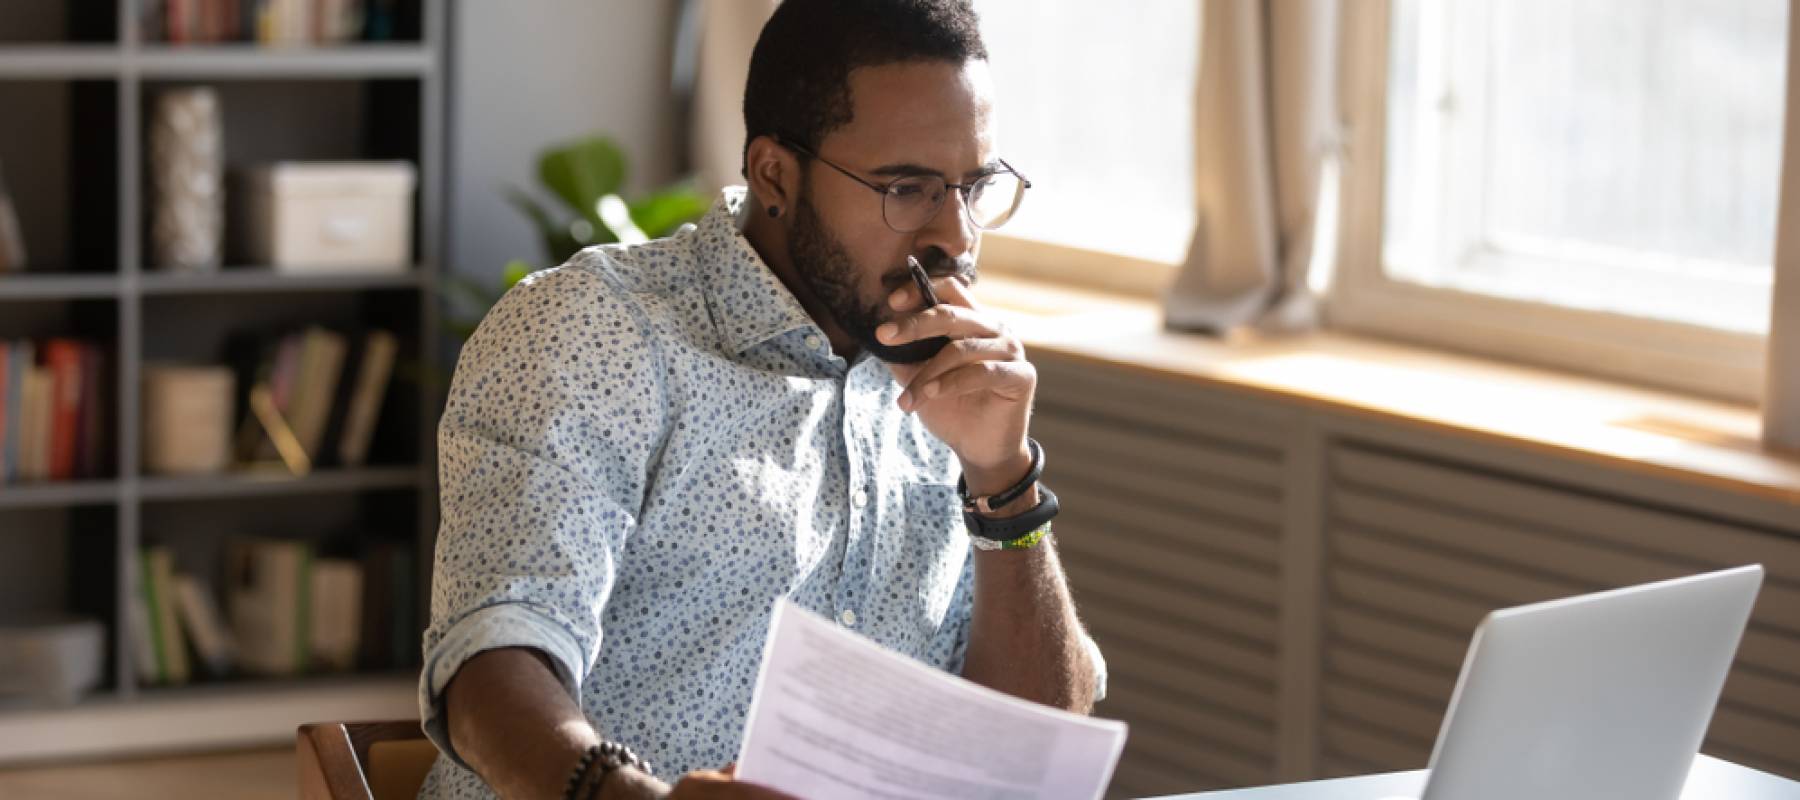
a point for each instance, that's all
(287, 611)
(278, 22)
(325, 389)
(52, 415)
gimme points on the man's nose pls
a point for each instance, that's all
(950, 231)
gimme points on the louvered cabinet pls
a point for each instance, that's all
(1420, 549)
(1171, 536)
(1286, 590)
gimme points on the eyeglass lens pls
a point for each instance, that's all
(911, 202)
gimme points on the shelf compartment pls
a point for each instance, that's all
(62, 561)
(275, 120)
(198, 329)
(62, 172)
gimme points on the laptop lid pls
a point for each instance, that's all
(1604, 695)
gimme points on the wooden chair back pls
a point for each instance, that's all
(363, 760)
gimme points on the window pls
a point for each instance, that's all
(1606, 154)
(1592, 184)
(1095, 106)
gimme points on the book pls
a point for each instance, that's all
(143, 636)
(269, 600)
(336, 624)
(62, 357)
(363, 407)
(205, 626)
(186, 421)
(90, 450)
(165, 618)
(321, 365)
(34, 424)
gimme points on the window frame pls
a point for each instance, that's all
(1363, 298)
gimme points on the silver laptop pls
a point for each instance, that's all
(1600, 696)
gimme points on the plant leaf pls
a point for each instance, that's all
(660, 214)
(515, 271)
(617, 217)
(583, 171)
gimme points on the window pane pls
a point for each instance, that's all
(1095, 106)
(1608, 154)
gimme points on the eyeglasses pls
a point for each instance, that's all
(910, 202)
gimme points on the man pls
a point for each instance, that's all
(647, 446)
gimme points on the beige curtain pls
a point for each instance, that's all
(1266, 142)
(728, 31)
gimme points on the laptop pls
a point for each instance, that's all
(1604, 695)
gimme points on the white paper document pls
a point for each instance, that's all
(837, 715)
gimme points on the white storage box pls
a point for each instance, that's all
(330, 216)
(50, 660)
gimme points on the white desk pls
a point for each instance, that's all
(1710, 779)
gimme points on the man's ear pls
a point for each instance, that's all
(773, 173)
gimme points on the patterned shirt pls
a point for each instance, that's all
(643, 449)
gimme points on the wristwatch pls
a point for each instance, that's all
(999, 532)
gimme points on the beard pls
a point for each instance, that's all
(823, 263)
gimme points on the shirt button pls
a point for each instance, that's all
(847, 617)
(812, 342)
(860, 499)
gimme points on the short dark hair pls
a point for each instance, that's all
(799, 85)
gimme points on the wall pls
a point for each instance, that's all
(526, 73)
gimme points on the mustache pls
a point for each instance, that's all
(937, 264)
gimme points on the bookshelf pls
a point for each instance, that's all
(84, 77)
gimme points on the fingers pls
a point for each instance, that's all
(1013, 380)
(952, 290)
(923, 383)
(722, 785)
(955, 322)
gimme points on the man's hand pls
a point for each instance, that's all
(701, 785)
(976, 393)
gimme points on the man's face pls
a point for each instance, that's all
(911, 118)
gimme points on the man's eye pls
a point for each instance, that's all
(906, 190)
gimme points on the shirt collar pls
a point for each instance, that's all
(748, 303)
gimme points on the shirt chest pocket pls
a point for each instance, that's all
(932, 550)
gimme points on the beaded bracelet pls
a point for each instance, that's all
(611, 756)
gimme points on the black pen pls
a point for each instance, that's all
(923, 280)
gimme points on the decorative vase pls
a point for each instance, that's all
(187, 164)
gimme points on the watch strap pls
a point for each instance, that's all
(987, 505)
(1008, 529)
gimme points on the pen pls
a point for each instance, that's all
(923, 280)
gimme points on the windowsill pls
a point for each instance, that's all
(1643, 430)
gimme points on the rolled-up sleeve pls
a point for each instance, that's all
(555, 410)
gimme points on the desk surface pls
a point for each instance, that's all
(1710, 779)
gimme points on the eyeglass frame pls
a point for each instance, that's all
(882, 189)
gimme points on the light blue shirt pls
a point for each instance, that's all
(643, 449)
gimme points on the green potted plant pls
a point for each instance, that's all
(586, 176)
